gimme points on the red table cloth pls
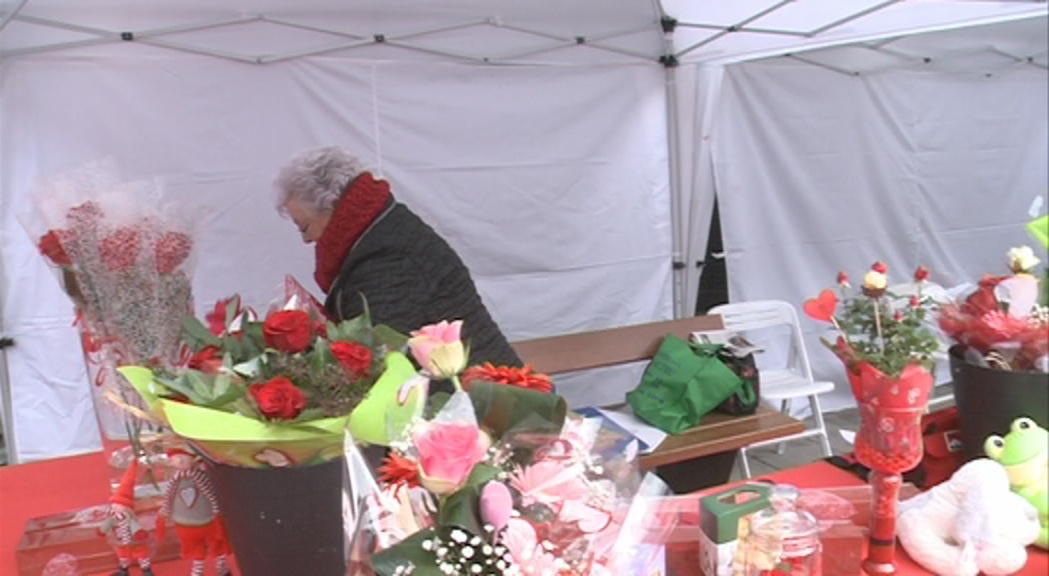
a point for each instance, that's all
(41, 488)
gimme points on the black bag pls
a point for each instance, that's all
(745, 401)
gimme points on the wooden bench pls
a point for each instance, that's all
(717, 437)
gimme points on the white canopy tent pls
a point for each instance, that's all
(570, 151)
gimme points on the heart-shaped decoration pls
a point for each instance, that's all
(188, 495)
(822, 307)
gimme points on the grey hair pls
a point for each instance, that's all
(317, 177)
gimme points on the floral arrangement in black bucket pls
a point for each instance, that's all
(267, 402)
(1000, 353)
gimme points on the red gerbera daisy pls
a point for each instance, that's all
(521, 377)
(397, 470)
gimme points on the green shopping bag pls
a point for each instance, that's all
(682, 383)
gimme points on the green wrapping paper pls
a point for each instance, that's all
(236, 440)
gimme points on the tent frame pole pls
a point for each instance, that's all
(10, 15)
(678, 278)
(7, 410)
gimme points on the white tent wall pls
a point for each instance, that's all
(551, 182)
(818, 171)
(542, 125)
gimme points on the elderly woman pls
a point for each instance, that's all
(368, 243)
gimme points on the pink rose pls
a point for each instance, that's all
(439, 349)
(447, 454)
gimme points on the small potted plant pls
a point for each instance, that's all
(1000, 357)
(887, 348)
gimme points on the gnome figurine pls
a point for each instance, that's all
(122, 524)
(190, 503)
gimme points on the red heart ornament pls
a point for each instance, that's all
(822, 307)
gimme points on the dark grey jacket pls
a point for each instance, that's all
(411, 277)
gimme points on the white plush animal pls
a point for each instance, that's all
(970, 524)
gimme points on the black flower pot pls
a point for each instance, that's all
(988, 400)
(284, 521)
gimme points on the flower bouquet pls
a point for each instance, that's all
(499, 479)
(267, 403)
(887, 350)
(1002, 325)
(124, 260)
(1000, 355)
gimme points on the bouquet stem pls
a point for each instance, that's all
(877, 323)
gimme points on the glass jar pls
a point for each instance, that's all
(781, 540)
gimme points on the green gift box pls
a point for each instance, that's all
(719, 518)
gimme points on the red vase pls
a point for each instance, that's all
(889, 442)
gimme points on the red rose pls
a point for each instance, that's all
(207, 360)
(353, 357)
(119, 249)
(921, 274)
(880, 267)
(171, 250)
(278, 399)
(85, 216)
(51, 246)
(288, 331)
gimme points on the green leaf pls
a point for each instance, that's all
(198, 381)
(254, 338)
(501, 408)
(248, 369)
(408, 552)
(310, 414)
(332, 331)
(481, 475)
(198, 334)
(224, 400)
(353, 328)
(435, 403)
(462, 509)
(392, 339)
(220, 385)
(182, 386)
(320, 357)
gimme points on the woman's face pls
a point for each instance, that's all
(311, 223)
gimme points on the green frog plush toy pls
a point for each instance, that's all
(1024, 452)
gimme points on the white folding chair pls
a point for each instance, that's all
(781, 384)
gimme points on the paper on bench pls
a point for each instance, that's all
(736, 343)
(649, 438)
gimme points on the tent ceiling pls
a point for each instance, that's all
(493, 31)
(1000, 46)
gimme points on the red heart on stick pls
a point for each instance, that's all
(822, 307)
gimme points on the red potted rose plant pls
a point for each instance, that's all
(887, 349)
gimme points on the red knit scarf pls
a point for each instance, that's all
(361, 204)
